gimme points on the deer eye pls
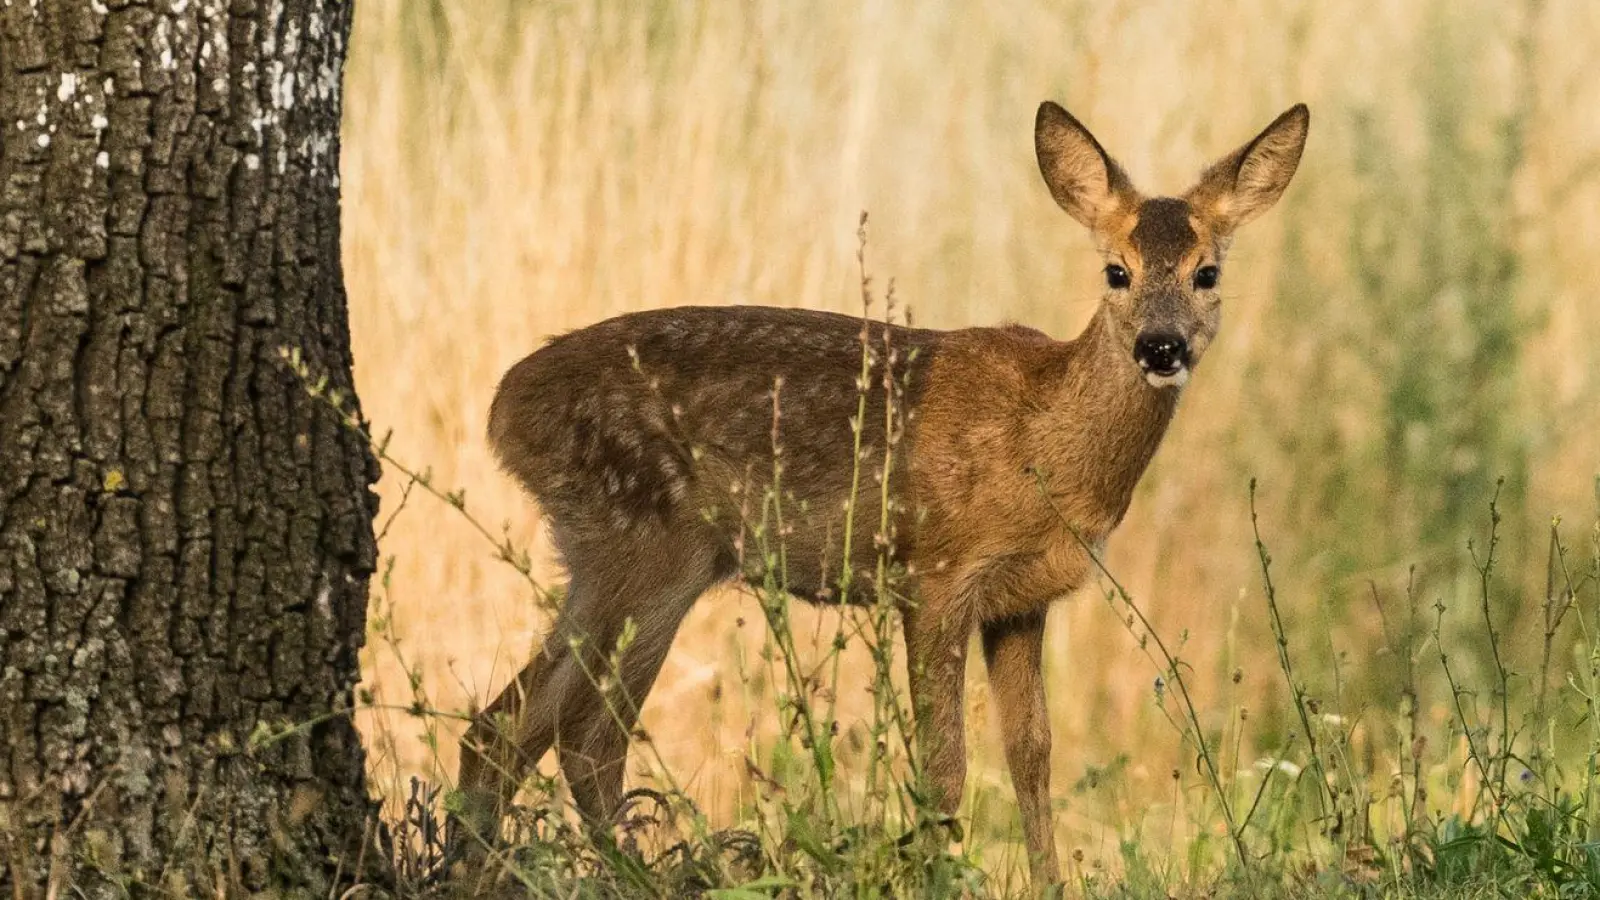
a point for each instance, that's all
(1205, 277)
(1117, 277)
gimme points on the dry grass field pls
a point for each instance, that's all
(1418, 318)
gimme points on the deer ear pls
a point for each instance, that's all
(1085, 181)
(1247, 182)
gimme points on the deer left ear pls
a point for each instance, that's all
(1247, 182)
(1083, 178)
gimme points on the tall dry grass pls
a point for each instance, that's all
(516, 170)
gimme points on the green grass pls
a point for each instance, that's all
(1499, 800)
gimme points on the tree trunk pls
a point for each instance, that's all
(185, 534)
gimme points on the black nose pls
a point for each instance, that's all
(1161, 352)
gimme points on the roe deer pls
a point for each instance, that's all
(634, 432)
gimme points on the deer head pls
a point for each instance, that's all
(1164, 255)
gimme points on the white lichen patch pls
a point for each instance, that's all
(283, 90)
(327, 82)
(68, 86)
(315, 149)
(163, 44)
(269, 34)
(262, 121)
(102, 160)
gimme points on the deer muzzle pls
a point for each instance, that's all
(1163, 356)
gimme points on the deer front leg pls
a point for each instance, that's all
(1013, 650)
(936, 662)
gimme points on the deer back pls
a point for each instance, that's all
(722, 418)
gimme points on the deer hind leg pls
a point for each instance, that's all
(595, 726)
(508, 737)
(557, 699)
(504, 741)
(596, 696)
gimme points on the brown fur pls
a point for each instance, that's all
(651, 438)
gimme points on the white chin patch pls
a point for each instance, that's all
(1176, 379)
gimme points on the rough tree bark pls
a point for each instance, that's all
(185, 536)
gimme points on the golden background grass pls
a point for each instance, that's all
(512, 171)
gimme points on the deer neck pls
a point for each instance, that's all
(1100, 428)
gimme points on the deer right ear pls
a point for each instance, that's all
(1245, 183)
(1085, 181)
